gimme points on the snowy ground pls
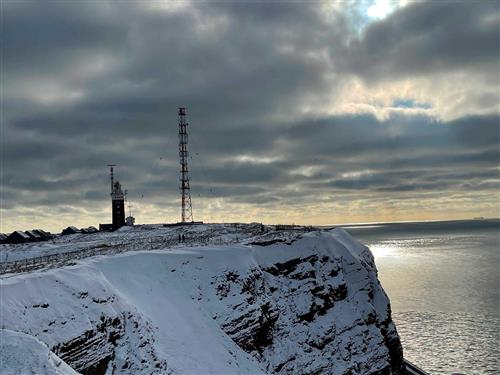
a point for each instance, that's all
(24, 354)
(251, 302)
(141, 237)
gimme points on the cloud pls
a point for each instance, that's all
(292, 111)
(427, 38)
(442, 53)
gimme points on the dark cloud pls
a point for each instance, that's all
(53, 30)
(92, 83)
(428, 37)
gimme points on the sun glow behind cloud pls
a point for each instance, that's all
(380, 9)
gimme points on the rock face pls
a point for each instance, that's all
(82, 320)
(310, 304)
(323, 313)
(122, 344)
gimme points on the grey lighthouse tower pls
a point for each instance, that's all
(117, 201)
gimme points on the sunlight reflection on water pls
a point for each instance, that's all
(460, 343)
(380, 251)
(444, 292)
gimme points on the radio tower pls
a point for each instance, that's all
(186, 208)
(111, 175)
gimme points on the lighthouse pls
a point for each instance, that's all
(118, 205)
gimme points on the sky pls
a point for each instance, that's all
(299, 112)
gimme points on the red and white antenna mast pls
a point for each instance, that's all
(186, 207)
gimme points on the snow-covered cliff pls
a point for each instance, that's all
(306, 304)
(24, 354)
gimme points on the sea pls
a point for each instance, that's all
(442, 279)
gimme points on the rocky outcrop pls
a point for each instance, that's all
(91, 352)
(323, 313)
(252, 324)
(121, 344)
(84, 323)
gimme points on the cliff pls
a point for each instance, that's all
(308, 303)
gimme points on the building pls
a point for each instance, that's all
(118, 205)
(89, 230)
(70, 230)
(130, 221)
(105, 227)
(26, 236)
(18, 237)
(34, 236)
(45, 235)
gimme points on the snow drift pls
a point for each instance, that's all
(24, 354)
(309, 304)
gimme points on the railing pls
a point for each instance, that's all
(65, 258)
(136, 244)
(29, 264)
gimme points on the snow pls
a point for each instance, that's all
(190, 308)
(24, 354)
(139, 237)
(190, 339)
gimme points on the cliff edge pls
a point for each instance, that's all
(308, 303)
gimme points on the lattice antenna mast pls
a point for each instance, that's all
(111, 176)
(186, 207)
